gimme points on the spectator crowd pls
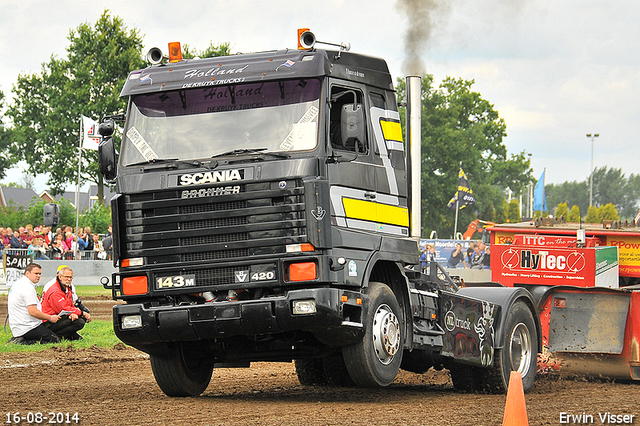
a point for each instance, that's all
(44, 243)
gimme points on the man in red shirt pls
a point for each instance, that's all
(58, 300)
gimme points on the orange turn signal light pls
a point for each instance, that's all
(175, 52)
(134, 285)
(303, 271)
(344, 298)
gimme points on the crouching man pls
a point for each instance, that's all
(58, 300)
(25, 317)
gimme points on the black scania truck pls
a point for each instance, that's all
(264, 212)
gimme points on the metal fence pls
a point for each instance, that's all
(51, 255)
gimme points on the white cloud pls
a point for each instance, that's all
(555, 70)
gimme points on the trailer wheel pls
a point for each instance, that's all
(310, 372)
(518, 353)
(180, 374)
(375, 360)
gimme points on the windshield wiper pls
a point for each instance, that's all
(174, 162)
(259, 155)
(239, 151)
(152, 161)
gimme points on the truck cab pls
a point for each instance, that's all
(262, 215)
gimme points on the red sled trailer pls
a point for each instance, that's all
(587, 299)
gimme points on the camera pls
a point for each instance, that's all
(81, 306)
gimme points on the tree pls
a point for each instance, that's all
(570, 193)
(459, 127)
(6, 159)
(562, 210)
(35, 212)
(513, 212)
(97, 217)
(48, 105)
(222, 49)
(574, 214)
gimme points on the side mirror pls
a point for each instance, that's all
(352, 126)
(106, 128)
(51, 215)
(107, 157)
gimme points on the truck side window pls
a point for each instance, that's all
(350, 100)
(377, 100)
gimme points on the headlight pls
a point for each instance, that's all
(131, 321)
(304, 307)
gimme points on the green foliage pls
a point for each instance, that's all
(598, 214)
(562, 210)
(608, 212)
(574, 214)
(223, 49)
(12, 216)
(98, 218)
(6, 160)
(36, 208)
(48, 105)
(513, 212)
(609, 186)
(459, 127)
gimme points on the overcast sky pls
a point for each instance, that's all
(555, 70)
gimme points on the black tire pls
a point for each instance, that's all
(310, 372)
(179, 375)
(375, 360)
(335, 371)
(519, 352)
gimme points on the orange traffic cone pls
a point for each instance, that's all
(515, 410)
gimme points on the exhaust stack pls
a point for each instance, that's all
(414, 152)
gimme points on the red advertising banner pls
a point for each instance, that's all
(511, 264)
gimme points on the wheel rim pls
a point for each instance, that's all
(386, 334)
(520, 349)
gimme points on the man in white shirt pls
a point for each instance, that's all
(25, 317)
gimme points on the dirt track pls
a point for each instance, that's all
(116, 387)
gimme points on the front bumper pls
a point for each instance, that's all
(336, 322)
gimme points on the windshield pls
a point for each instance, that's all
(273, 116)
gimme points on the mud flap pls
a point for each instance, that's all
(469, 329)
(588, 322)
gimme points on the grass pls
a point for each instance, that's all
(97, 332)
(90, 291)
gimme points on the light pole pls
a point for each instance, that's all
(593, 137)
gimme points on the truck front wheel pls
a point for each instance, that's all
(181, 374)
(375, 360)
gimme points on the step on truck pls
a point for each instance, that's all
(264, 212)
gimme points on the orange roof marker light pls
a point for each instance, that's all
(306, 39)
(175, 52)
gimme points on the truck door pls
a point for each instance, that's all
(364, 169)
(350, 164)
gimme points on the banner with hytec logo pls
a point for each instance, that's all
(583, 267)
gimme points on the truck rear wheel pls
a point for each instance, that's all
(180, 374)
(518, 353)
(375, 360)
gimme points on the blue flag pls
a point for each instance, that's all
(539, 199)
